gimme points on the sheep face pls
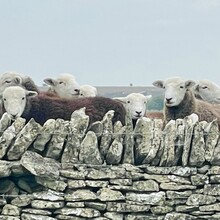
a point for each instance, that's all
(14, 100)
(207, 91)
(65, 86)
(87, 91)
(175, 90)
(9, 79)
(135, 104)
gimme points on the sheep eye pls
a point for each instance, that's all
(205, 87)
(7, 81)
(163, 87)
(128, 101)
(23, 98)
(4, 99)
(181, 87)
(60, 82)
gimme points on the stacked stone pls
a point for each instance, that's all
(49, 191)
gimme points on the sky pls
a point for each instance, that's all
(111, 42)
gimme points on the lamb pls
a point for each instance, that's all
(87, 91)
(28, 104)
(207, 91)
(135, 105)
(13, 78)
(64, 86)
(179, 101)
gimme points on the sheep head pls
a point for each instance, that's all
(14, 100)
(175, 89)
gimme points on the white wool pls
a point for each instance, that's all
(135, 104)
(87, 91)
(207, 91)
(14, 100)
(65, 86)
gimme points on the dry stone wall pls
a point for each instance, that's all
(67, 170)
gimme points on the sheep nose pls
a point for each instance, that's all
(77, 91)
(14, 116)
(138, 113)
(168, 99)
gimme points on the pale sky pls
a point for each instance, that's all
(111, 42)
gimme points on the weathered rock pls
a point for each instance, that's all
(123, 182)
(40, 204)
(9, 135)
(26, 216)
(176, 186)
(44, 137)
(113, 215)
(56, 144)
(89, 152)
(96, 205)
(49, 195)
(143, 136)
(22, 200)
(5, 121)
(5, 168)
(37, 211)
(74, 184)
(107, 194)
(199, 199)
(78, 125)
(97, 128)
(197, 155)
(115, 151)
(176, 194)
(215, 160)
(80, 195)
(73, 174)
(168, 156)
(40, 166)
(199, 179)
(96, 183)
(11, 210)
(143, 217)
(159, 210)
(186, 208)
(75, 204)
(212, 189)
(24, 139)
(179, 216)
(147, 199)
(208, 208)
(125, 207)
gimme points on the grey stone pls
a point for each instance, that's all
(186, 208)
(26, 216)
(212, 189)
(96, 205)
(37, 211)
(96, 183)
(80, 195)
(107, 134)
(75, 204)
(208, 208)
(68, 217)
(78, 126)
(159, 210)
(89, 152)
(5, 121)
(24, 139)
(114, 154)
(9, 135)
(74, 184)
(56, 144)
(179, 216)
(41, 204)
(5, 170)
(146, 199)
(199, 199)
(40, 166)
(215, 160)
(215, 179)
(9, 209)
(113, 215)
(48, 195)
(199, 179)
(44, 137)
(22, 200)
(143, 217)
(123, 182)
(178, 195)
(73, 174)
(82, 212)
(106, 194)
(175, 186)
(214, 170)
(197, 155)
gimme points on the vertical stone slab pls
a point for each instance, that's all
(78, 126)
(197, 155)
(155, 142)
(9, 135)
(189, 125)
(211, 140)
(89, 152)
(179, 141)
(169, 134)
(24, 139)
(5, 121)
(128, 156)
(106, 138)
(44, 137)
(56, 144)
(215, 160)
(143, 136)
(115, 151)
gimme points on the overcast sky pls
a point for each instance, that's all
(111, 42)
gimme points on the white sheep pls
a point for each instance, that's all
(179, 101)
(207, 91)
(64, 86)
(13, 78)
(87, 91)
(135, 104)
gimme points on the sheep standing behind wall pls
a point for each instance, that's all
(207, 91)
(179, 101)
(64, 86)
(87, 91)
(28, 104)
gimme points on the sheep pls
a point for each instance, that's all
(28, 104)
(64, 86)
(154, 115)
(135, 105)
(13, 78)
(179, 101)
(207, 91)
(87, 91)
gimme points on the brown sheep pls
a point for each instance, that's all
(28, 104)
(180, 101)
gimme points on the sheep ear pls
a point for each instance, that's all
(158, 83)
(31, 93)
(189, 84)
(17, 80)
(120, 99)
(50, 82)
